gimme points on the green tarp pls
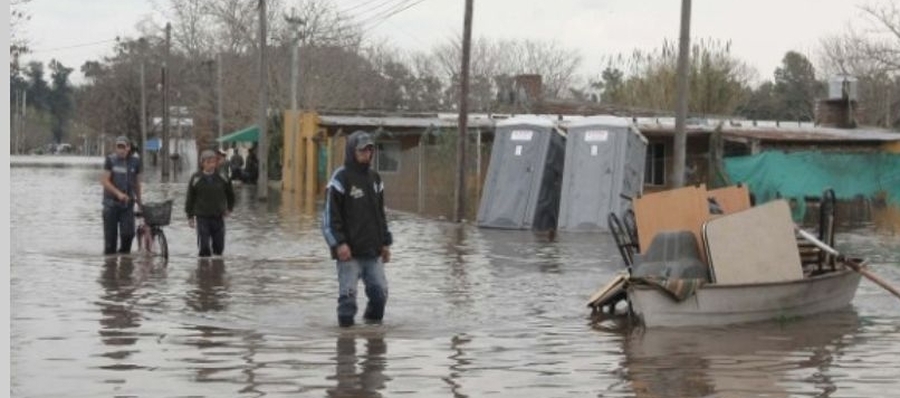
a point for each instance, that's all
(807, 174)
(248, 134)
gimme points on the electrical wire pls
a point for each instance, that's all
(47, 50)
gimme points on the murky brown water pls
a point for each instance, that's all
(472, 313)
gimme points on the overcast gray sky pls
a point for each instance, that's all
(761, 31)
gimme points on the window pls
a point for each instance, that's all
(655, 167)
(387, 157)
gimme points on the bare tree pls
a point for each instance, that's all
(872, 55)
(18, 44)
(646, 79)
(883, 45)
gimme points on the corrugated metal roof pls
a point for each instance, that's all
(779, 132)
(811, 133)
(402, 122)
(527, 119)
(606, 120)
(764, 130)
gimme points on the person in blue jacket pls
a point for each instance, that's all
(356, 230)
(121, 191)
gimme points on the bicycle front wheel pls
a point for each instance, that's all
(162, 244)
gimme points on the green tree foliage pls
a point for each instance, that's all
(791, 96)
(796, 87)
(718, 80)
(761, 104)
(38, 90)
(611, 82)
(60, 99)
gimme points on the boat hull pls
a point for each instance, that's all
(742, 303)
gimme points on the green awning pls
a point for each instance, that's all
(247, 134)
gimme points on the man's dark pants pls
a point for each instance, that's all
(210, 230)
(118, 222)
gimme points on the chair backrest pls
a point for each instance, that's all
(623, 240)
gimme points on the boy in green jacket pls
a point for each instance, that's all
(210, 198)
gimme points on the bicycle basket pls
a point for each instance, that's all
(159, 214)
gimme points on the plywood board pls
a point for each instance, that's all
(614, 287)
(732, 199)
(755, 245)
(682, 209)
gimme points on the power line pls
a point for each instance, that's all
(368, 9)
(382, 16)
(73, 46)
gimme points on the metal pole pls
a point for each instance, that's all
(219, 119)
(164, 146)
(460, 208)
(681, 88)
(478, 163)
(17, 117)
(143, 118)
(24, 120)
(420, 183)
(888, 123)
(262, 184)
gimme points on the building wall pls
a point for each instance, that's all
(892, 147)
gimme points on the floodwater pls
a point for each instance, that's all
(472, 313)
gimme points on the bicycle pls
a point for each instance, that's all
(154, 216)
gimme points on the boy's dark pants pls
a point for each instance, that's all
(117, 222)
(210, 230)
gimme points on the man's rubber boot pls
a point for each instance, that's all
(345, 321)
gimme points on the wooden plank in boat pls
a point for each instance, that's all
(754, 246)
(731, 199)
(682, 209)
(615, 286)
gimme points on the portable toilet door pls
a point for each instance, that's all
(605, 158)
(515, 173)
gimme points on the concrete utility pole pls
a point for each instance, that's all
(681, 88)
(24, 120)
(164, 146)
(219, 119)
(15, 123)
(295, 53)
(143, 108)
(262, 184)
(459, 210)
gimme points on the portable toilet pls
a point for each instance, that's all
(605, 158)
(521, 189)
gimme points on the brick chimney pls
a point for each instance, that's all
(528, 88)
(840, 108)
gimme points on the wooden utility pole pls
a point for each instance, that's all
(164, 145)
(262, 184)
(681, 91)
(459, 210)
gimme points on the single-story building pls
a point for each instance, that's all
(416, 153)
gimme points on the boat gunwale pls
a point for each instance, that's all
(806, 280)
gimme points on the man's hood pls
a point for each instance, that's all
(359, 139)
